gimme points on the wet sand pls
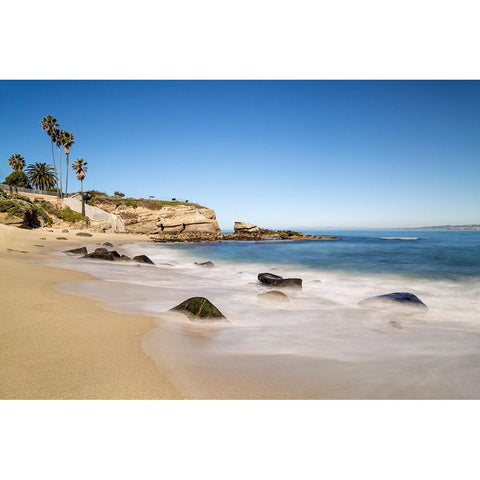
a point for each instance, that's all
(59, 346)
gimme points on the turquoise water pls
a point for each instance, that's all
(416, 253)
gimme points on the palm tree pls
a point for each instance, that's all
(68, 143)
(50, 125)
(42, 176)
(17, 162)
(79, 166)
(58, 138)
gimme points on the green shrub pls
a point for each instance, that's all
(130, 202)
(69, 215)
(17, 179)
(20, 207)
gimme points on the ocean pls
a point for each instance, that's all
(321, 343)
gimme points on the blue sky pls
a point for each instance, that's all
(275, 153)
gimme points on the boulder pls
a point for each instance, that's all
(100, 256)
(108, 244)
(84, 234)
(273, 296)
(273, 280)
(242, 227)
(61, 238)
(125, 258)
(199, 308)
(205, 264)
(101, 250)
(403, 299)
(143, 259)
(269, 278)
(64, 230)
(77, 251)
(188, 219)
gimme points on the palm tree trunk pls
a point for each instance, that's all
(60, 171)
(83, 200)
(66, 179)
(54, 167)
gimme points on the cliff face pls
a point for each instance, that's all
(167, 220)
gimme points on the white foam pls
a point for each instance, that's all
(399, 238)
(322, 324)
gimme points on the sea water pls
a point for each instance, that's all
(321, 343)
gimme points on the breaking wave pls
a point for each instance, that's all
(399, 238)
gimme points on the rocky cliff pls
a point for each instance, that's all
(162, 219)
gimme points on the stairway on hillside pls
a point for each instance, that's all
(95, 213)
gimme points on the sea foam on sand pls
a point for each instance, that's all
(321, 344)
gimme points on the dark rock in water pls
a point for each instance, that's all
(61, 238)
(277, 281)
(100, 256)
(84, 234)
(200, 308)
(205, 264)
(143, 259)
(77, 251)
(125, 258)
(108, 244)
(404, 299)
(273, 296)
(101, 250)
(115, 254)
(269, 278)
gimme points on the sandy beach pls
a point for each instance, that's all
(59, 346)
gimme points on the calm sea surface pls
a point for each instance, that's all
(420, 253)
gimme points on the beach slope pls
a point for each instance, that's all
(59, 346)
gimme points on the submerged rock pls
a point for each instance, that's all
(273, 296)
(403, 299)
(200, 308)
(84, 234)
(77, 251)
(205, 264)
(101, 250)
(143, 259)
(277, 281)
(395, 324)
(125, 258)
(61, 238)
(108, 244)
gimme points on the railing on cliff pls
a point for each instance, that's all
(14, 189)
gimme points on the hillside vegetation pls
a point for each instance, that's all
(34, 213)
(102, 200)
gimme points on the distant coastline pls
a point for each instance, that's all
(450, 227)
